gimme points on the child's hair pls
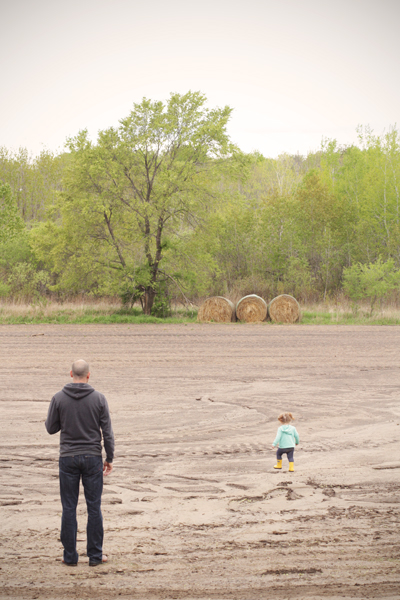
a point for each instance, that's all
(286, 417)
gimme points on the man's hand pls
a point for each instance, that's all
(273, 447)
(107, 468)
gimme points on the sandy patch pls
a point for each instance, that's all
(194, 508)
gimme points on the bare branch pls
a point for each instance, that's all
(178, 285)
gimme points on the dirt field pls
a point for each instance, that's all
(194, 508)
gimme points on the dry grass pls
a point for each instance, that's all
(109, 310)
(48, 309)
(106, 310)
(344, 312)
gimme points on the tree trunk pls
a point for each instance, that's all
(149, 295)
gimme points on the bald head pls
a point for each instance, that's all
(80, 370)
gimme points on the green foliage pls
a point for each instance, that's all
(163, 209)
(298, 279)
(21, 277)
(34, 181)
(11, 223)
(162, 303)
(131, 196)
(372, 281)
(26, 281)
(79, 263)
(130, 295)
(5, 289)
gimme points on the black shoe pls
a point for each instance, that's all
(94, 563)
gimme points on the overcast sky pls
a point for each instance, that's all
(293, 71)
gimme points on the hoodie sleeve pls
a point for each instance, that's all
(52, 423)
(108, 434)
(278, 437)
(296, 435)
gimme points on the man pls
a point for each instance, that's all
(81, 414)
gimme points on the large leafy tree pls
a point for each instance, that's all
(133, 194)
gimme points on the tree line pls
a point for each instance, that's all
(165, 207)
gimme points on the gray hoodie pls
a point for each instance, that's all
(81, 414)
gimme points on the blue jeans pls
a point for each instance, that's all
(90, 468)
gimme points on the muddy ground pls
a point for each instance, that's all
(194, 508)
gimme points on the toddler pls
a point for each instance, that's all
(286, 439)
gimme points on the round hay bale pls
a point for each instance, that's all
(284, 309)
(251, 309)
(217, 309)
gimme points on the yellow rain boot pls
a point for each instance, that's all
(278, 464)
(291, 467)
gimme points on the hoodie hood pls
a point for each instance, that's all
(77, 391)
(286, 427)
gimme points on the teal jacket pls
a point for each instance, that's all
(286, 437)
